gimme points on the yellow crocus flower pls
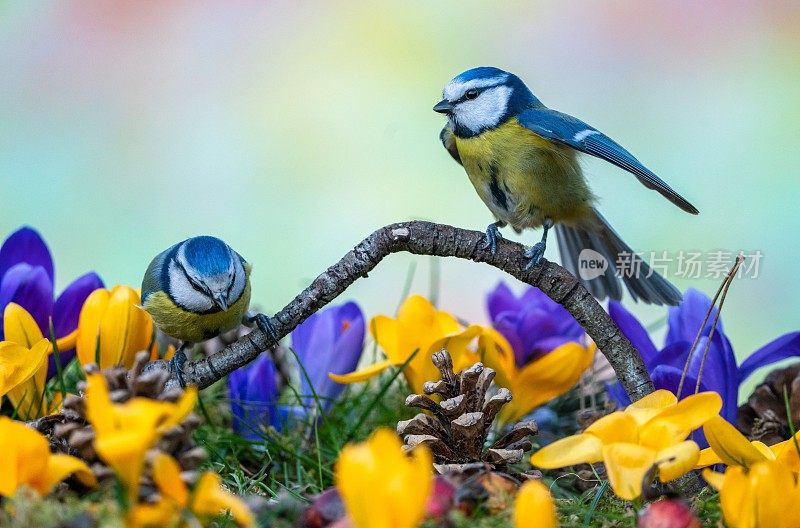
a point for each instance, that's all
(760, 486)
(208, 499)
(381, 487)
(537, 382)
(421, 328)
(20, 328)
(763, 495)
(534, 506)
(651, 431)
(18, 364)
(124, 432)
(729, 446)
(113, 327)
(26, 461)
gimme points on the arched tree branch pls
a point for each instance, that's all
(426, 238)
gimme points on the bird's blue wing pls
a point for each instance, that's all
(563, 128)
(154, 277)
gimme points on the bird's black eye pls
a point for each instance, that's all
(471, 94)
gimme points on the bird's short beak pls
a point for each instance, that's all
(443, 107)
(220, 301)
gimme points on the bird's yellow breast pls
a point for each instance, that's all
(524, 178)
(192, 327)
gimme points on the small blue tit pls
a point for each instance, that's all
(196, 290)
(522, 159)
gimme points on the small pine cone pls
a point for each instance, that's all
(69, 432)
(763, 417)
(456, 429)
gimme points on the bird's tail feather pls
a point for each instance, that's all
(598, 271)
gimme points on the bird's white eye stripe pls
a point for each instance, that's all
(455, 90)
(583, 134)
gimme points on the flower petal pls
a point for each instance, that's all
(730, 445)
(677, 460)
(365, 373)
(575, 449)
(124, 452)
(719, 372)
(26, 245)
(31, 288)
(60, 467)
(496, 353)
(786, 346)
(626, 465)
(668, 378)
(20, 327)
(534, 506)
(500, 300)
(765, 495)
(99, 410)
(651, 405)
(789, 456)
(380, 486)
(253, 392)
(685, 319)
(89, 326)
(333, 342)
(180, 409)
(546, 378)
(161, 513)
(675, 423)
(457, 345)
(708, 458)
(25, 452)
(714, 478)
(167, 476)
(693, 411)
(507, 325)
(209, 498)
(28, 398)
(615, 427)
(68, 306)
(618, 394)
(18, 365)
(125, 328)
(633, 330)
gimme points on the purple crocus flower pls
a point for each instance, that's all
(27, 279)
(720, 373)
(253, 392)
(331, 340)
(533, 324)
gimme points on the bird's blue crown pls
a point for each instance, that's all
(521, 96)
(208, 255)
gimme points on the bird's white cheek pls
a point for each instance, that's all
(238, 284)
(484, 112)
(184, 294)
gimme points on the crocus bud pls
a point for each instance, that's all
(440, 501)
(326, 509)
(667, 513)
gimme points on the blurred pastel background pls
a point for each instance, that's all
(293, 129)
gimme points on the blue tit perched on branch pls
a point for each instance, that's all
(196, 290)
(522, 159)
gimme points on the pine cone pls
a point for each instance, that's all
(763, 417)
(456, 428)
(69, 432)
